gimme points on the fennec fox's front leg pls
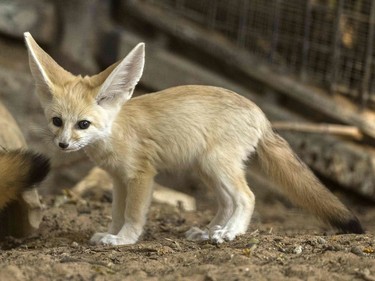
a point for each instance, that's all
(131, 202)
(118, 211)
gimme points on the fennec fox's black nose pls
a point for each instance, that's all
(63, 145)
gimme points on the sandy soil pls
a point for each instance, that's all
(283, 243)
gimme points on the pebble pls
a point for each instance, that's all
(357, 251)
(75, 245)
(206, 246)
(252, 242)
(297, 250)
(321, 240)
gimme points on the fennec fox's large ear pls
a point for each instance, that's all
(46, 72)
(120, 84)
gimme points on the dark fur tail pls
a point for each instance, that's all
(39, 167)
(20, 170)
(300, 185)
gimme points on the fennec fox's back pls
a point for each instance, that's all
(20, 170)
(208, 129)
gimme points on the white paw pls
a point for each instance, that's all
(196, 234)
(220, 234)
(217, 234)
(97, 237)
(229, 236)
(110, 239)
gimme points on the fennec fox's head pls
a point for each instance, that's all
(81, 110)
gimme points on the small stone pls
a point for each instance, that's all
(207, 246)
(369, 250)
(357, 251)
(253, 241)
(84, 209)
(297, 250)
(60, 200)
(321, 240)
(75, 245)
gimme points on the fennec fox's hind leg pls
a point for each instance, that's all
(236, 201)
(243, 201)
(223, 214)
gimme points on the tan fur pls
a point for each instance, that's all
(11, 173)
(19, 170)
(300, 184)
(208, 129)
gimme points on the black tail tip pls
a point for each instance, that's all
(39, 167)
(349, 226)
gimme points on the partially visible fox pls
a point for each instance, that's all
(208, 129)
(20, 170)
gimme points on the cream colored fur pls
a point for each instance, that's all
(208, 129)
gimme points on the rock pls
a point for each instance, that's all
(297, 250)
(321, 240)
(98, 181)
(172, 197)
(36, 16)
(253, 241)
(357, 251)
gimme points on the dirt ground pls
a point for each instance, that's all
(283, 243)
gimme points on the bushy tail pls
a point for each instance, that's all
(20, 170)
(301, 186)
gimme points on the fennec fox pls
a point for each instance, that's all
(20, 170)
(208, 129)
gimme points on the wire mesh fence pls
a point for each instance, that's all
(326, 42)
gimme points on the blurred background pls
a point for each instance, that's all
(303, 62)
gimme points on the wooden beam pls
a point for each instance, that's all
(321, 128)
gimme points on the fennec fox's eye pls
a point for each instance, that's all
(83, 124)
(57, 121)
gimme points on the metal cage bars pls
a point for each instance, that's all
(329, 43)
